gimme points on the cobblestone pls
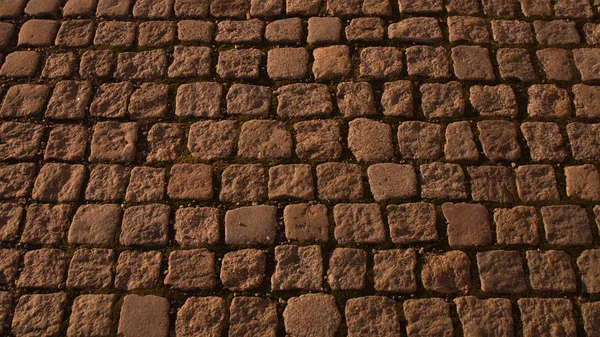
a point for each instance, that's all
(299, 167)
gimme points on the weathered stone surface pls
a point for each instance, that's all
(247, 99)
(46, 224)
(149, 101)
(347, 269)
(303, 100)
(389, 181)
(428, 317)
(548, 101)
(468, 224)
(318, 140)
(492, 183)
(9, 262)
(358, 224)
(145, 225)
(394, 270)
(306, 222)
(566, 225)
(107, 183)
(324, 30)
(369, 140)
(190, 181)
(111, 100)
(114, 142)
(590, 313)
(551, 271)
(239, 63)
(536, 183)
(380, 62)
(442, 100)
(311, 315)
(472, 63)
(201, 316)
(59, 183)
(417, 29)
(43, 268)
(428, 61)
(20, 141)
(200, 99)
(243, 269)
(243, 182)
(355, 99)
(67, 142)
(294, 181)
(501, 272)
(210, 140)
(11, 215)
(339, 181)
(284, 31)
(498, 101)
(279, 66)
(95, 224)
(16, 180)
(544, 141)
(517, 225)
(264, 140)
(588, 266)
(372, 316)
(91, 268)
(146, 184)
(419, 140)
(447, 273)
(137, 270)
(412, 222)
(460, 144)
(25, 100)
(491, 317)
(165, 142)
(197, 226)
(331, 63)
(252, 316)
(443, 181)
(397, 98)
(547, 316)
(191, 270)
(39, 314)
(91, 315)
(499, 140)
(297, 268)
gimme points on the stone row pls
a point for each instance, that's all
(71, 100)
(240, 9)
(291, 31)
(368, 141)
(151, 225)
(302, 268)
(315, 315)
(331, 63)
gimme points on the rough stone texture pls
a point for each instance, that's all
(209, 140)
(303, 100)
(191, 270)
(392, 181)
(107, 183)
(548, 101)
(544, 141)
(517, 225)
(428, 317)
(566, 225)
(443, 181)
(25, 100)
(197, 226)
(311, 315)
(419, 140)
(252, 316)
(95, 224)
(494, 101)
(472, 63)
(551, 271)
(372, 316)
(243, 269)
(460, 145)
(264, 140)
(145, 225)
(468, 224)
(412, 222)
(490, 317)
(499, 140)
(588, 266)
(297, 268)
(370, 141)
(339, 182)
(243, 183)
(397, 99)
(422, 30)
(114, 142)
(190, 181)
(91, 315)
(547, 316)
(137, 270)
(306, 223)
(246, 99)
(491, 183)
(394, 270)
(536, 183)
(201, 316)
(43, 268)
(442, 100)
(358, 224)
(59, 183)
(293, 181)
(501, 272)
(318, 140)
(331, 63)
(355, 99)
(347, 269)
(39, 314)
(447, 273)
(91, 268)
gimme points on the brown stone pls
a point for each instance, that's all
(347, 269)
(240, 32)
(264, 140)
(501, 272)
(46, 224)
(358, 224)
(16, 180)
(428, 317)
(397, 98)
(11, 215)
(253, 316)
(239, 64)
(152, 9)
(372, 316)
(556, 63)
(201, 316)
(9, 262)
(200, 99)
(197, 226)
(472, 63)
(59, 183)
(324, 30)
(25, 100)
(243, 182)
(43, 268)
(491, 183)
(95, 224)
(190, 181)
(355, 99)
(394, 270)
(297, 268)
(303, 100)
(20, 64)
(516, 226)
(144, 316)
(369, 140)
(499, 140)
(331, 63)
(412, 222)
(422, 30)
(555, 32)
(588, 266)
(583, 182)
(137, 270)
(468, 29)
(442, 181)
(488, 317)
(551, 271)
(210, 140)
(392, 181)
(306, 223)
(251, 225)
(318, 140)
(380, 62)
(91, 268)
(107, 183)
(145, 225)
(91, 315)
(284, 31)
(468, 224)
(39, 314)
(115, 34)
(247, 99)
(195, 30)
(20, 141)
(512, 32)
(149, 101)
(547, 316)
(144, 65)
(566, 225)
(590, 313)
(544, 140)
(586, 60)
(37, 33)
(243, 269)
(447, 273)
(287, 63)
(427, 61)
(442, 100)
(460, 145)
(191, 270)
(190, 61)
(311, 315)
(294, 181)
(536, 183)
(365, 30)
(420, 140)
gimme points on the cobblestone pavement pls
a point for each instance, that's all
(299, 168)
